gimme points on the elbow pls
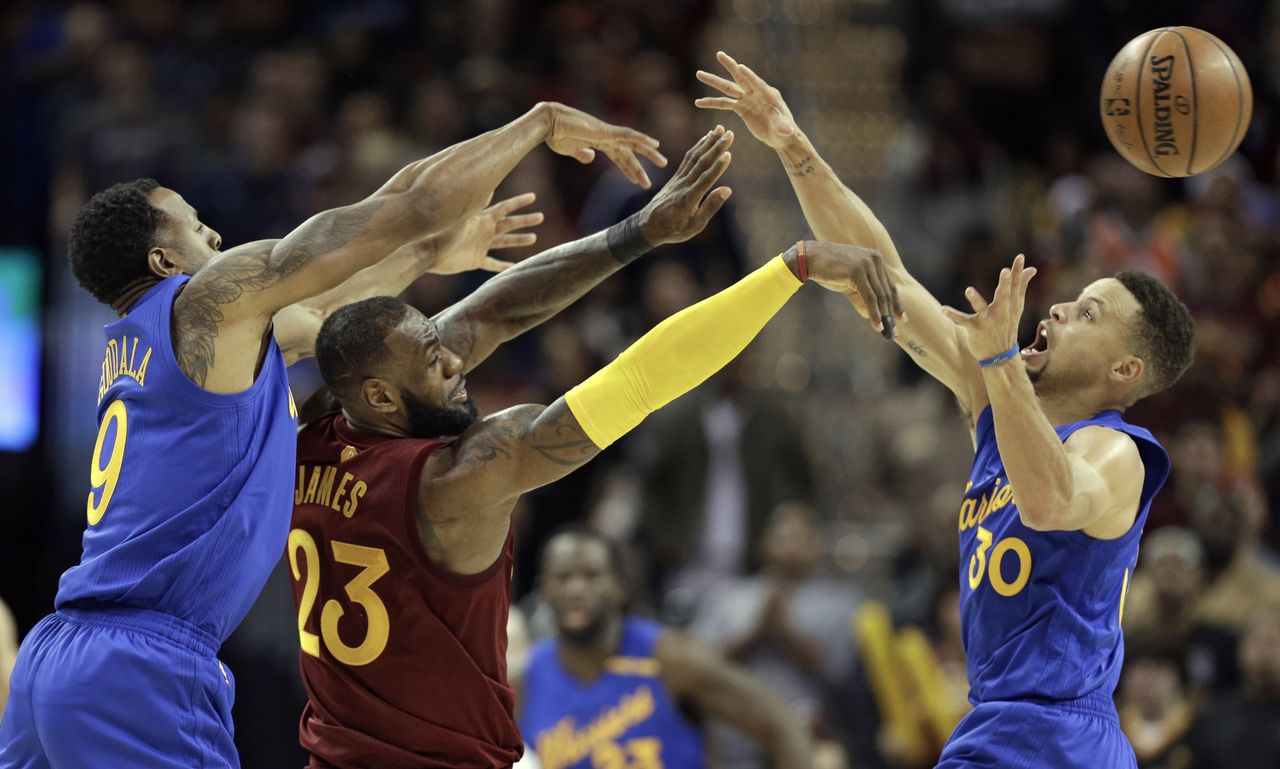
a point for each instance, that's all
(1043, 515)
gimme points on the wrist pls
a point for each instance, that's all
(627, 241)
(1007, 359)
(644, 220)
(543, 115)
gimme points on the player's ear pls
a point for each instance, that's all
(1128, 370)
(161, 263)
(379, 395)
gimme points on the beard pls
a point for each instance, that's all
(588, 634)
(431, 422)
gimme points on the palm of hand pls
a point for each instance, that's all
(759, 104)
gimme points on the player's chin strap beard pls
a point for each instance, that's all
(131, 293)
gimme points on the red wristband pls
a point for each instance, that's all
(802, 261)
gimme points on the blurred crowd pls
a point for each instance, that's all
(795, 511)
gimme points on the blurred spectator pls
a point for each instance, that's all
(1156, 709)
(1164, 600)
(789, 626)
(713, 465)
(1241, 729)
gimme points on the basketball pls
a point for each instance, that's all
(1176, 101)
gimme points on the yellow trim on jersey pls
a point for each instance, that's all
(646, 667)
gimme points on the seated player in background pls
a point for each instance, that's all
(614, 690)
(402, 551)
(191, 476)
(1060, 485)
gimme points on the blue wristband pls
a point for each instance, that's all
(1003, 357)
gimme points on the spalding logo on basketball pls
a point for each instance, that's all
(1176, 101)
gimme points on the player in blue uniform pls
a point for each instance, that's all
(612, 690)
(192, 473)
(1060, 486)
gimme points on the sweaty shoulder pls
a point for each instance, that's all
(1114, 457)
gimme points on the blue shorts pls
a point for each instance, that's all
(1070, 734)
(118, 687)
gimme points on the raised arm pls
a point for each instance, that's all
(222, 314)
(1090, 483)
(539, 287)
(716, 689)
(467, 490)
(462, 247)
(836, 213)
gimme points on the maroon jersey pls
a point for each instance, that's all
(404, 663)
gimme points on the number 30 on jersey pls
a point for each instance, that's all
(988, 560)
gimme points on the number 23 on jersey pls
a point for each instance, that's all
(373, 563)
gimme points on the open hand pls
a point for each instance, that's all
(993, 327)
(578, 135)
(759, 104)
(682, 208)
(466, 245)
(858, 273)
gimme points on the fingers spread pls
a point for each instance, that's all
(712, 173)
(505, 207)
(726, 87)
(584, 155)
(753, 80)
(514, 240)
(975, 299)
(626, 162)
(961, 318)
(714, 202)
(509, 223)
(715, 102)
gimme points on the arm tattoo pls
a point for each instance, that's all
(564, 443)
(799, 168)
(559, 440)
(525, 296)
(915, 347)
(197, 312)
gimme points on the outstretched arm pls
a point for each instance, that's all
(464, 246)
(539, 287)
(836, 213)
(1090, 483)
(717, 689)
(467, 490)
(222, 314)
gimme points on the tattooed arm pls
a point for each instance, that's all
(462, 247)
(221, 317)
(835, 213)
(467, 490)
(539, 287)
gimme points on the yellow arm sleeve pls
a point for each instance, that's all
(679, 354)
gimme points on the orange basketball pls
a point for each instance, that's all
(1176, 101)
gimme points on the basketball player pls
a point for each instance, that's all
(613, 690)
(1060, 486)
(191, 475)
(402, 552)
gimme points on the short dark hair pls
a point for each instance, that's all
(613, 550)
(353, 340)
(111, 237)
(1164, 333)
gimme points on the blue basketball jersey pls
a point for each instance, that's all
(190, 491)
(1041, 610)
(625, 717)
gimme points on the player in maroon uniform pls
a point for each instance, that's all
(402, 552)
